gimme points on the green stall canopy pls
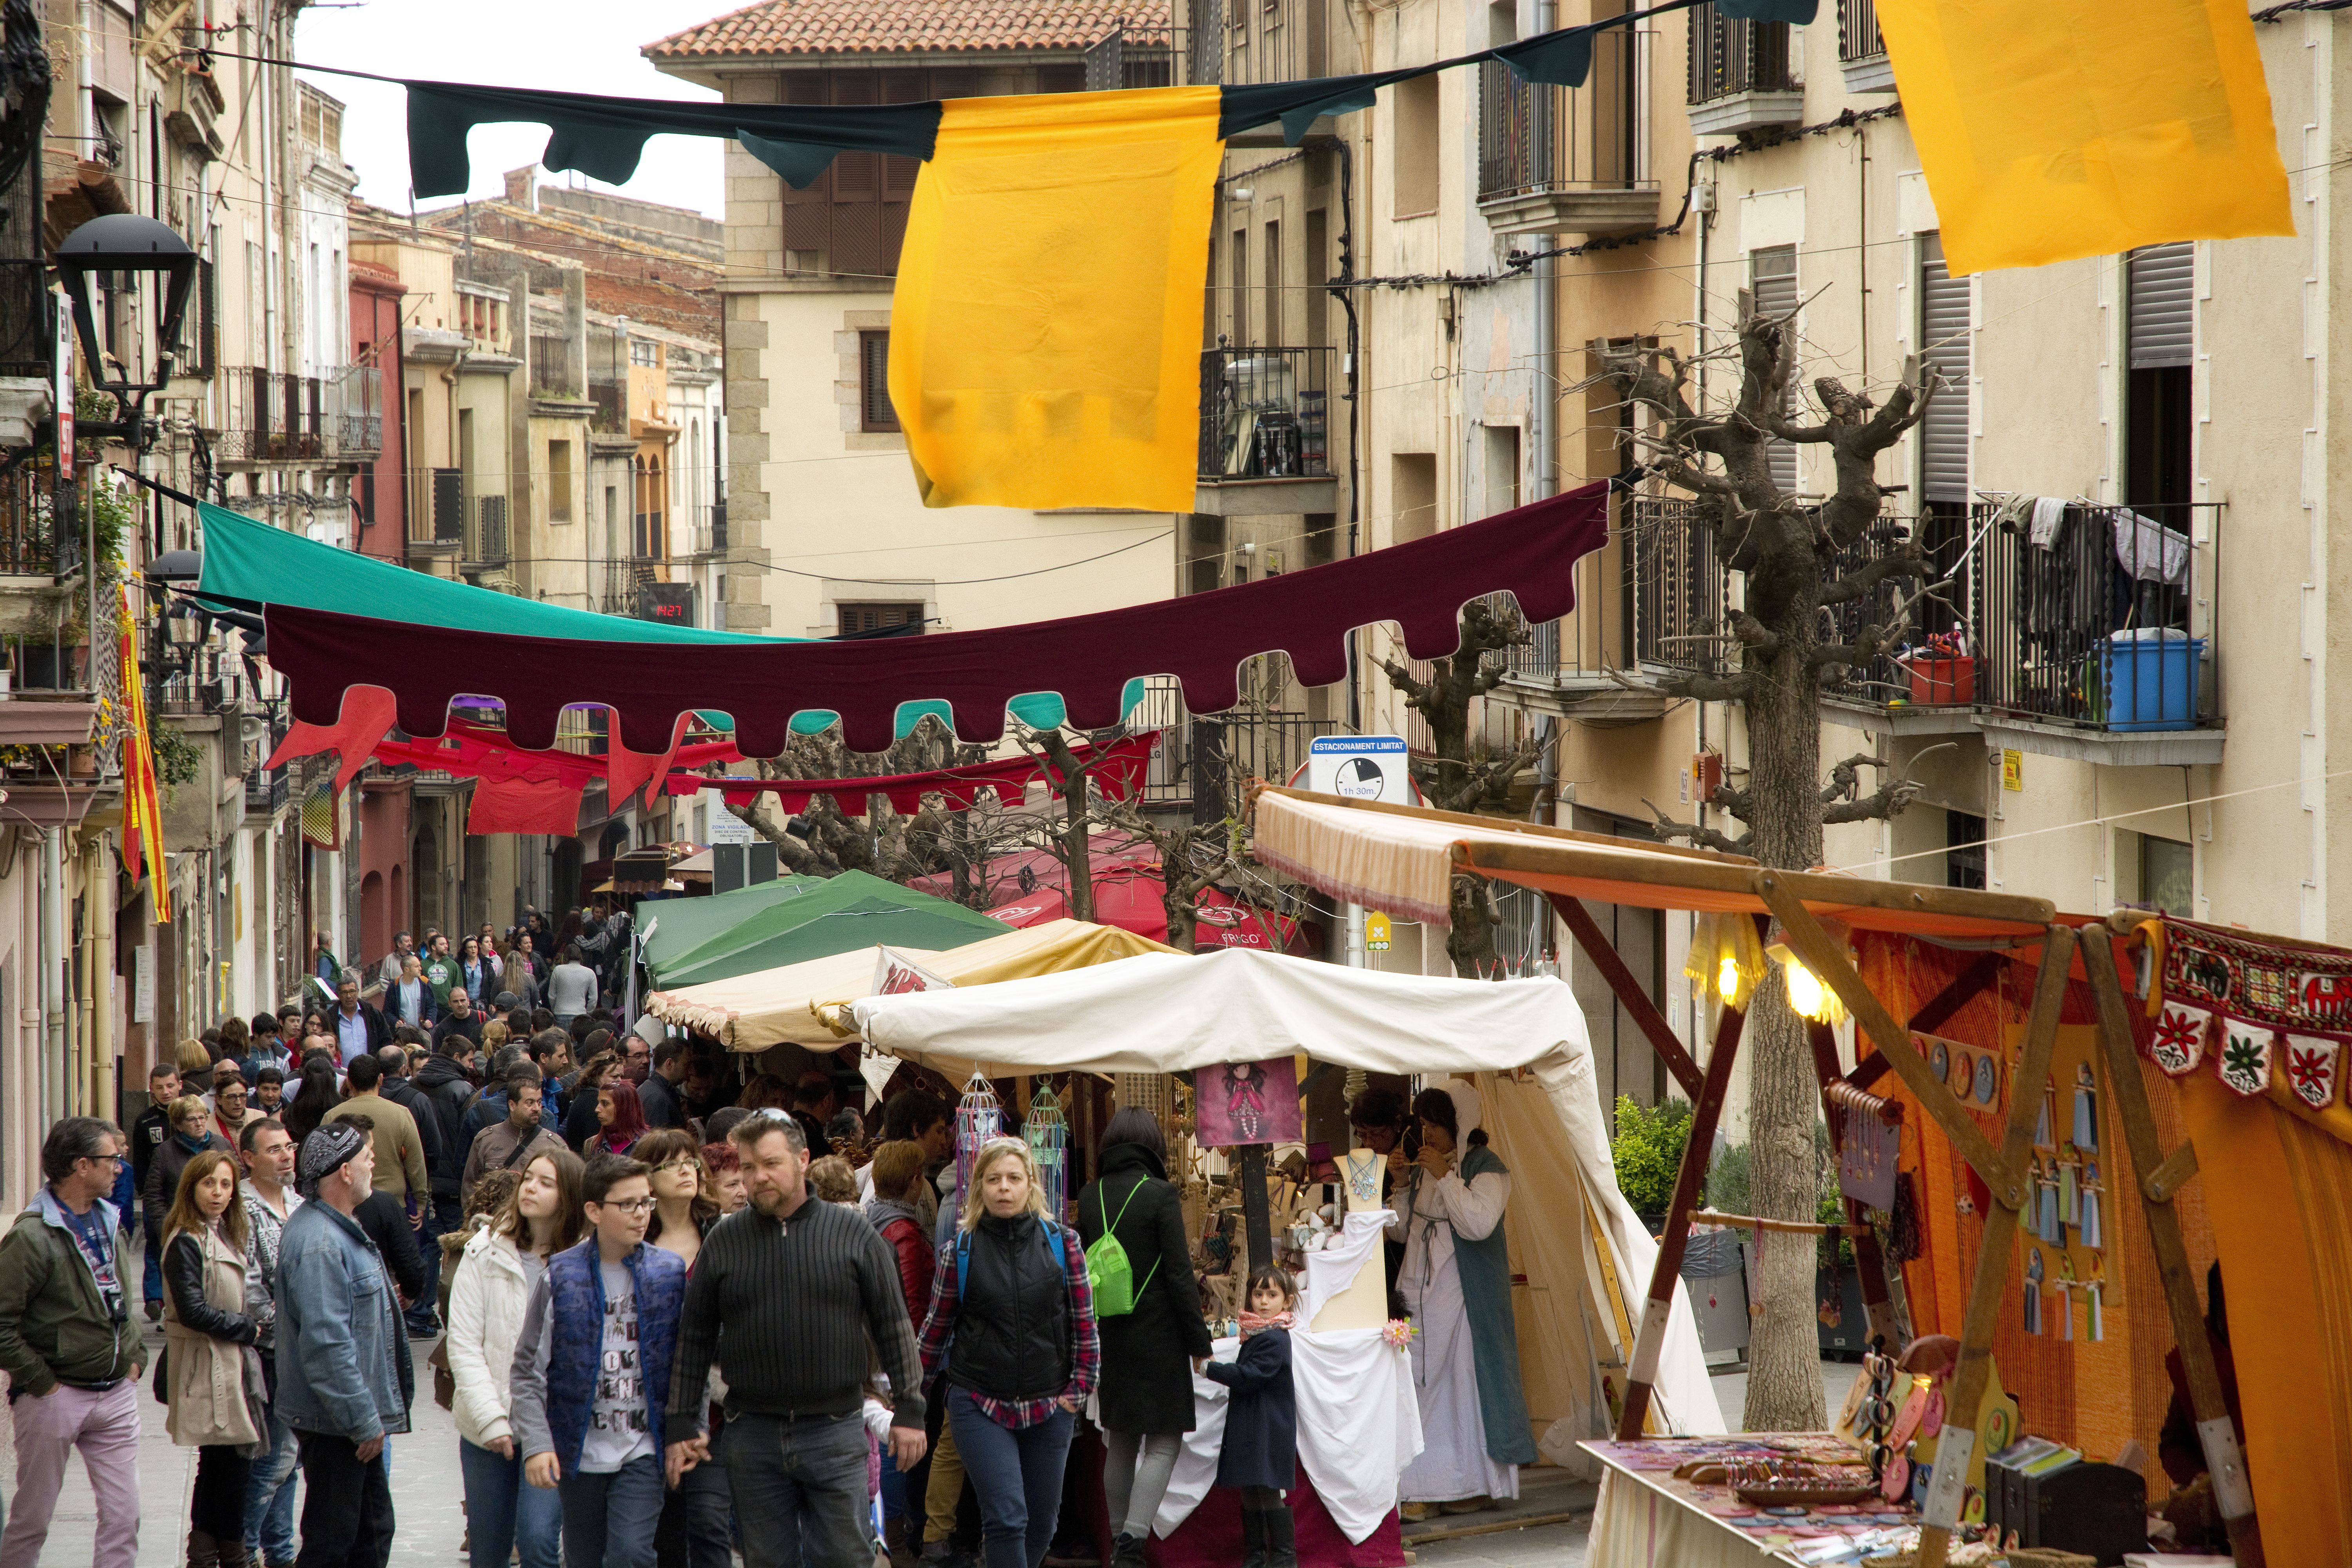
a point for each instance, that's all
(685, 925)
(249, 564)
(851, 911)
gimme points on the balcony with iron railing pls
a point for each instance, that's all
(1861, 49)
(2097, 635)
(1653, 600)
(1557, 160)
(279, 417)
(436, 513)
(1742, 75)
(706, 529)
(1265, 432)
(1203, 763)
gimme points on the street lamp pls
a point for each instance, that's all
(126, 242)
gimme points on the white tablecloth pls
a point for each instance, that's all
(1330, 1271)
(1636, 1527)
(1358, 1427)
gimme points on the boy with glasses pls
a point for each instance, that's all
(592, 1372)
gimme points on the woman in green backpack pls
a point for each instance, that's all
(1149, 1350)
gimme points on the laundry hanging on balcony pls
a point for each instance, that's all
(1092, 661)
(249, 565)
(1044, 349)
(2088, 129)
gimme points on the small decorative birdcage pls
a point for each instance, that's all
(1049, 1145)
(980, 1116)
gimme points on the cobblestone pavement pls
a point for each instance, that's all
(426, 1493)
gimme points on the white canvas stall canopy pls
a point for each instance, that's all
(1522, 1042)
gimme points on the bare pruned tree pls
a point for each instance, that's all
(1193, 859)
(884, 842)
(1793, 553)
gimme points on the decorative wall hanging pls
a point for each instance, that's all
(2261, 1012)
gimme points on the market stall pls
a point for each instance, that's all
(1521, 1042)
(1403, 860)
(848, 912)
(801, 1004)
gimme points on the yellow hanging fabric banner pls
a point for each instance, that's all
(1046, 335)
(2049, 132)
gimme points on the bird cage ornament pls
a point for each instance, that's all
(980, 1116)
(1049, 1145)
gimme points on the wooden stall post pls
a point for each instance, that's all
(2160, 1178)
(1957, 1448)
(1642, 1367)
(1870, 1259)
(1256, 1218)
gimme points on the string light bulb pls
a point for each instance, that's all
(1729, 981)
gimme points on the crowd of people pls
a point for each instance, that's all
(670, 1323)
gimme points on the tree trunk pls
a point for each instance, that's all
(1470, 941)
(1784, 1375)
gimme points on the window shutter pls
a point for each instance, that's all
(875, 411)
(2163, 305)
(1775, 290)
(1944, 344)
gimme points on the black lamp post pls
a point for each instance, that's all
(126, 242)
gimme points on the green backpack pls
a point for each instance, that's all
(1108, 1271)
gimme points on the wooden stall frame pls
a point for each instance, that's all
(1538, 857)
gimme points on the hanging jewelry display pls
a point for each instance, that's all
(2089, 1235)
(2044, 1124)
(2046, 1224)
(2070, 1167)
(1049, 1143)
(2065, 1282)
(2032, 1290)
(2087, 1110)
(2094, 1327)
(980, 1116)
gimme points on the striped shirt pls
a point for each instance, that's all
(1086, 1342)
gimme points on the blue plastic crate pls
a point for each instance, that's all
(2151, 682)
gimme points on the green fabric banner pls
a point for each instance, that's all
(249, 564)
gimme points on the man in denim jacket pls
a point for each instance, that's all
(343, 1373)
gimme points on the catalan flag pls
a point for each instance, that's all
(142, 817)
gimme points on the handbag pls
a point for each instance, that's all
(444, 1382)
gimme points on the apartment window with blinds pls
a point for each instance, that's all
(871, 619)
(874, 410)
(1772, 278)
(1944, 345)
(2161, 329)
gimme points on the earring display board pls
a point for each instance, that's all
(2091, 1394)
(2068, 1224)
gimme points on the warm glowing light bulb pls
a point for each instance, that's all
(1804, 991)
(1726, 978)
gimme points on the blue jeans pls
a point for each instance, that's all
(441, 1216)
(1016, 1476)
(151, 1276)
(269, 1498)
(800, 1489)
(505, 1512)
(609, 1517)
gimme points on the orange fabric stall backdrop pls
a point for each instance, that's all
(2096, 1396)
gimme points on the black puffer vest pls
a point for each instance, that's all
(1012, 1320)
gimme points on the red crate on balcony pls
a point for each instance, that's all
(1942, 681)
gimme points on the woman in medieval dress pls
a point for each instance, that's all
(1456, 1284)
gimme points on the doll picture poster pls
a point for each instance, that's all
(1247, 1102)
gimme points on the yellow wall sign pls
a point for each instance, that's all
(2012, 769)
(1376, 931)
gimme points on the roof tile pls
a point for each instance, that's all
(908, 26)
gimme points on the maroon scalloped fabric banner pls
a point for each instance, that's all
(1201, 639)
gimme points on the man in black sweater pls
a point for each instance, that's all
(797, 1285)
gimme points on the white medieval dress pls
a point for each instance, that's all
(1455, 1281)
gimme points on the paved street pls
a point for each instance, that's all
(427, 1491)
(427, 1494)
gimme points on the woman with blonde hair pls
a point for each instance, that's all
(1013, 1325)
(501, 1263)
(195, 1067)
(213, 1374)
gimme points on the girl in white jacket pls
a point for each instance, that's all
(506, 1257)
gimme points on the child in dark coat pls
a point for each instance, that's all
(1261, 1451)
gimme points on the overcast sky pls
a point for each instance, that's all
(577, 46)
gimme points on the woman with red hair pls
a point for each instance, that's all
(620, 1117)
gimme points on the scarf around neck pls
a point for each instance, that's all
(1254, 1325)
